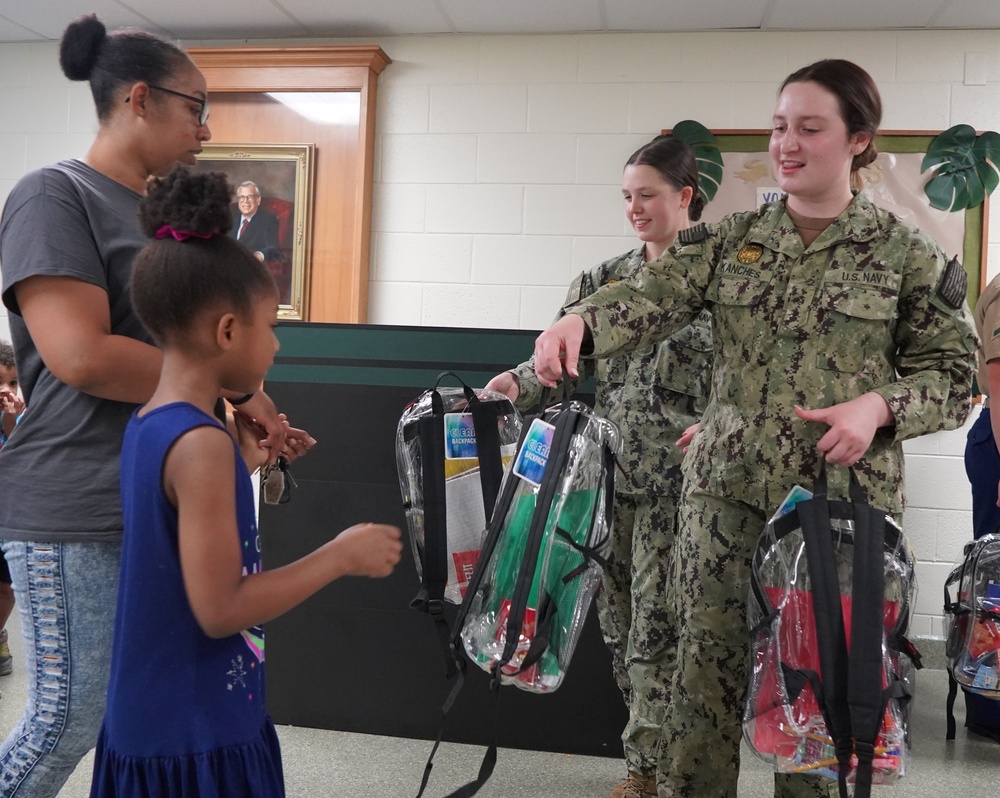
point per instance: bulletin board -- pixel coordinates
(893, 181)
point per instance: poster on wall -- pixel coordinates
(271, 211)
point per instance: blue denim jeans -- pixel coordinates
(65, 594)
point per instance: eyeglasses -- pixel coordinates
(202, 115)
(240, 198)
(276, 481)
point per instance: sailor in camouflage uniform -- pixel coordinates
(838, 344)
(653, 394)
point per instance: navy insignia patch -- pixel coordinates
(692, 235)
(954, 284)
(749, 253)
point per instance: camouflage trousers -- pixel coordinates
(699, 753)
(636, 617)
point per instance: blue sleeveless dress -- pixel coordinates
(185, 714)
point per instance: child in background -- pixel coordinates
(11, 407)
(186, 712)
(10, 401)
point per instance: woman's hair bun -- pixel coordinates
(697, 205)
(80, 46)
(195, 202)
(865, 157)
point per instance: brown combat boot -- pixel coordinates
(635, 785)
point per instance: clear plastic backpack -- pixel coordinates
(544, 551)
(451, 447)
(832, 673)
(972, 622)
(541, 561)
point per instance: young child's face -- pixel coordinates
(8, 379)
(9, 401)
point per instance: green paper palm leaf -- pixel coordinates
(706, 153)
(966, 168)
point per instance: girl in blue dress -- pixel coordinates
(186, 712)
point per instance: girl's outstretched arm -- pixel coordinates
(199, 477)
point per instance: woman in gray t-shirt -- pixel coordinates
(68, 235)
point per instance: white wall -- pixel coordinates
(498, 162)
(45, 117)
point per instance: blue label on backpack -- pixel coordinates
(459, 436)
(534, 454)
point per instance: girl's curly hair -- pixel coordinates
(173, 281)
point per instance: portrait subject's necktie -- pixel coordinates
(242, 229)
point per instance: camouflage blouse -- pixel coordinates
(873, 304)
(653, 393)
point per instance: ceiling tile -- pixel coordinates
(12, 32)
(51, 18)
(31, 20)
(850, 14)
(368, 18)
(972, 14)
(523, 16)
(664, 15)
(197, 19)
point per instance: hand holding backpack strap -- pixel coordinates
(865, 694)
(814, 515)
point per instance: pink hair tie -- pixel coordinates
(181, 235)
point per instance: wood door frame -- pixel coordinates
(333, 68)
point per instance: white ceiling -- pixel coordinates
(40, 20)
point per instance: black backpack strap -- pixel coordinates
(952, 608)
(865, 694)
(485, 416)
(565, 426)
(814, 515)
(950, 706)
(449, 702)
(542, 636)
(430, 429)
(494, 528)
(434, 576)
(490, 757)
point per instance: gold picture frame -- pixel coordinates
(283, 174)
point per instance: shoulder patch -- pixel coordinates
(692, 235)
(954, 284)
(576, 290)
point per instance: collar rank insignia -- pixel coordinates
(692, 235)
(954, 284)
(749, 253)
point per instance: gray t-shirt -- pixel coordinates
(59, 471)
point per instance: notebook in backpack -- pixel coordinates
(544, 551)
(451, 445)
(832, 588)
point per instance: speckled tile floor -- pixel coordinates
(329, 764)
